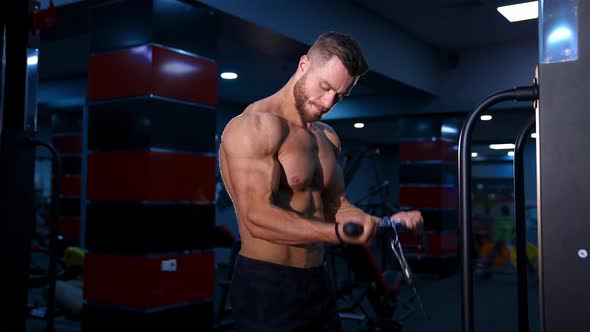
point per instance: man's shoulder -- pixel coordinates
(263, 129)
(329, 132)
(256, 120)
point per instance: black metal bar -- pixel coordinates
(17, 220)
(17, 201)
(2, 71)
(517, 94)
(519, 212)
(16, 43)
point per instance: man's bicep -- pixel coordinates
(253, 179)
(249, 145)
(253, 174)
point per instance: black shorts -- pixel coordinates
(272, 297)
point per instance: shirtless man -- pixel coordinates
(279, 165)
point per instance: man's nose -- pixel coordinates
(329, 99)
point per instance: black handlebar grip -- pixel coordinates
(353, 230)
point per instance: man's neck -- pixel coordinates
(286, 101)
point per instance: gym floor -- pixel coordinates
(495, 306)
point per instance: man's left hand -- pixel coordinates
(412, 220)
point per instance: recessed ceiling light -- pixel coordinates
(534, 135)
(505, 146)
(474, 154)
(520, 11)
(510, 153)
(359, 125)
(486, 117)
(229, 75)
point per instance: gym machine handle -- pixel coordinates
(353, 230)
(529, 93)
(389, 226)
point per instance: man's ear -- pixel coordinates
(303, 63)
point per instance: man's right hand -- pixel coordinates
(368, 230)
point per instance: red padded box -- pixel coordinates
(148, 282)
(151, 176)
(152, 69)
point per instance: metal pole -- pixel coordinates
(517, 94)
(17, 201)
(519, 212)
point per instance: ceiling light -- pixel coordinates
(229, 75)
(486, 117)
(511, 153)
(534, 135)
(521, 11)
(359, 125)
(506, 146)
(474, 154)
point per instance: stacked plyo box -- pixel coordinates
(150, 190)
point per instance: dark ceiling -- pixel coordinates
(453, 24)
(265, 59)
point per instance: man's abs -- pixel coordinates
(304, 257)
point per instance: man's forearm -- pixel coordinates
(280, 226)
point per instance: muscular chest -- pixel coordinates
(307, 160)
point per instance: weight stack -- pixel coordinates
(151, 165)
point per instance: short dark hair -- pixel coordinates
(345, 48)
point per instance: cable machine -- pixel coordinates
(559, 92)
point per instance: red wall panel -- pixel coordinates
(68, 144)
(69, 227)
(427, 150)
(71, 185)
(428, 196)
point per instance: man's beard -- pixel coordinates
(302, 100)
